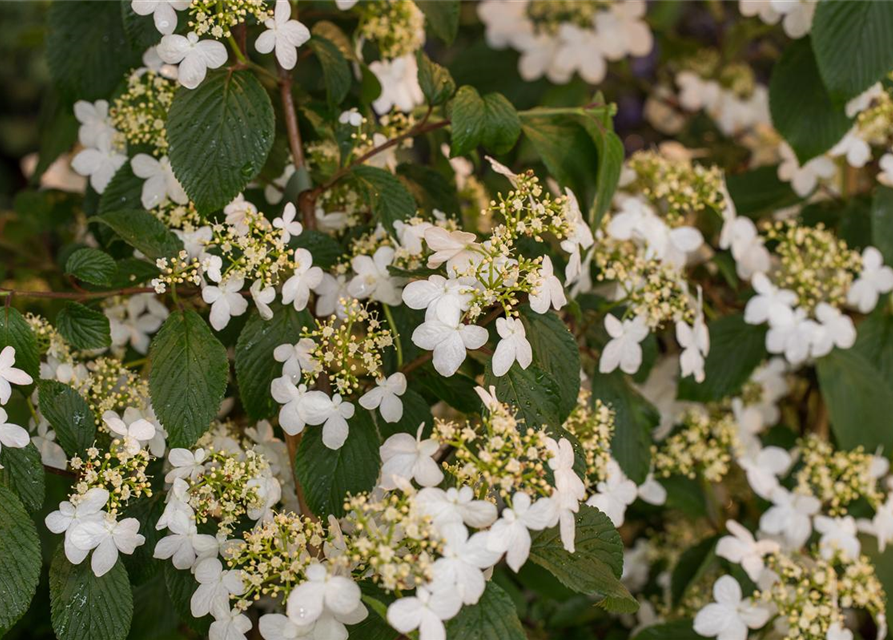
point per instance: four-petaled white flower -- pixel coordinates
(101, 162)
(160, 182)
(449, 339)
(614, 494)
(283, 34)
(385, 397)
(511, 533)
(215, 586)
(322, 592)
(291, 415)
(68, 517)
(569, 489)
(194, 56)
(225, 300)
(287, 223)
(296, 290)
(106, 537)
(580, 239)
(458, 249)
(372, 279)
(512, 347)
(352, 117)
(399, 84)
(790, 516)
(875, 279)
(549, 292)
(184, 544)
(186, 464)
(730, 617)
(262, 297)
(741, 548)
(839, 537)
(624, 349)
(695, 343)
(332, 413)
(425, 611)
(9, 374)
(229, 624)
(164, 12)
(462, 561)
(455, 507)
(406, 458)
(439, 296)
(833, 329)
(296, 358)
(881, 525)
(94, 119)
(791, 332)
(132, 428)
(770, 304)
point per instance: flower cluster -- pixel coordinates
(703, 447)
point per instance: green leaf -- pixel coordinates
(691, 567)
(91, 265)
(324, 248)
(431, 189)
(436, 82)
(555, 352)
(595, 566)
(534, 394)
(441, 17)
(329, 475)
(87, 50)
(180, 587)
(736, 349)
(457, 390)
(494, 617)
(220, 134)
(853, 43)
(123, 193)
(676, 630)
(15, 332)
(802, 110)
(133, 272)
(389, 199)
(85, 607)
(875, 341)
(490, 121)
(142, 231)
(69, 415)
(882, 222)
(23, 473)
(634, 419)
(188, 377)
(335, 70)
(83, 327)
(255, 366)
(58, 132)
(859, 400)
(760, 191)
(20, 560)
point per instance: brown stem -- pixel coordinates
(60, 472)
(294, 140)
(75, 295)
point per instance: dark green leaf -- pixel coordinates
(692, 566)
(123, 193)
(19, 559)
(490, 121)
(83, 327)
(15, 332)
(255, 366)
(436, 82)
(882, 222)
(188, 377)
(69, 415)
(802, 110)
(389, 199)
(457, 390)
(554, 351)
(85, 607)
(142, 231)
(335, 70)
(23, 473)
(494, 617)
(760, 191)
(180, 587)
(532, 392)
(220, 134)
(441, 17)
(91, 265)
(329, 475)
(853, 43)
(431, 189)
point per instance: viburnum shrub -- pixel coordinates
(481, 321)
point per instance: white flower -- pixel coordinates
(283, 34)
(458, 249)
(322, 592)
(262, 297)
(833, 329)
(352, 117)
(194, 57)
(798, 14)
(695, 343)
(885, 176)
(579, 240)
(133, 430)
(512, 346)
(790, 516)
(549, 292)
(332, 413)
(803, 179)
(237, 213)
(791, 333)
(386, 397)
(614, 494)
(770, 304)
(740, 235)
(287, 223)
(455, 506)
(881, 525)
(439, 296)
(186, 464)
(108, 537)
(730, 617)
(875, 278)
(569, 489)
(291, 415)
(622, 30)
(215, 586)
(330, 292)
(399, 84)
(94, 119)
(296, 358)
(576, 49)
(67, 519)
(510, 534)
(409, 458)
(449, 339)
(229, 624)
(101, 162)
(132, 323)
(164, 12)
(372, 278)
(624, 349)
(225, 300)
(839, 536)
(9, 374)
(296, 290)
(856, 150)
(194, 242)
(275, 626)
(51, 454)
(741, 548)
(836, 631)
(425, 611)
(461, 563)
(652, 491)
(763, 467)
(185, 545)
(160, 182)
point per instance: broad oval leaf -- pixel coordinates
(83, 327)
(69, 415)
(494, 617)
(91, 265)
(556, 352)
(142, 231)
(19, 559)
(23, 473)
